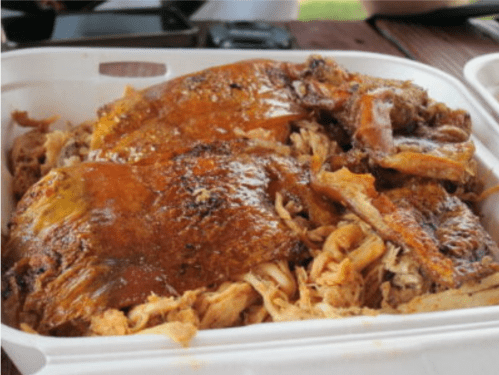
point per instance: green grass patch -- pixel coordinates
(346, 10)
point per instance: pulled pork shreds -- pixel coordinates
(39, 150)
(259, 191)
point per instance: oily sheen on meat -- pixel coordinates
(256, 191)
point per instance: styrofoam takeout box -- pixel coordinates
(67, 82)
(482, 73)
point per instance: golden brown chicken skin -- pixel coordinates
(101, 235)
(199, 108)
(452, 226)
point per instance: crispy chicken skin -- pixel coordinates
(101, 235)
(199, 108)
(452, 226)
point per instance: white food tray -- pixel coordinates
(482, 73)
(66, 81)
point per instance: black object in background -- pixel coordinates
(447, 16)
(37, 20)
(255, 35)
(144, 27)
(186, 7)
(34, 7)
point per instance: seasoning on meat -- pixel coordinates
(252, 192)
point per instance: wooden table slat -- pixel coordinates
(331, 35)
(446, 47)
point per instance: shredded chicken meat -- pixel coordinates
(252, 192)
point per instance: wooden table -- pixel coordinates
(445, 47)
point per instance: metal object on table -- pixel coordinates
(254, 35)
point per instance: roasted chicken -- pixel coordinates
(201, 180)
(102, 235)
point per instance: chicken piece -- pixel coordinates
(37, 151)
(477, 293)
(198, 108)
(407, 106)
(425, 158)
(266, 97)
(391, 104)
(103, 235)
(26, 158)
(76, 148)
(43, 125)
(373, 126)
(320, 84)
(456, 250)
(397, 126)
(27, 155)
(442, 124)
(220, 103)
(453, 226)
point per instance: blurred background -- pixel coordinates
(45, 19)
(304, 10)
(34, 21)
(338, 10)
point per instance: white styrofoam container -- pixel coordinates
(66, 81)
(482, 73)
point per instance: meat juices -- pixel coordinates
(174, 197)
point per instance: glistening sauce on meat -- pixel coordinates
(168, 228)
(199, 108)
(253, 192)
